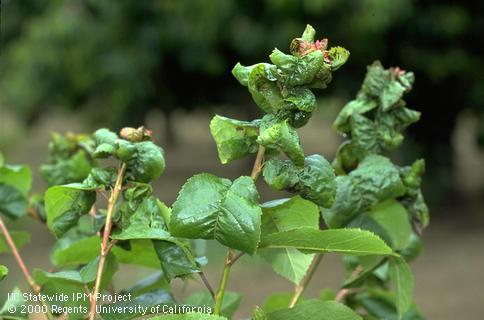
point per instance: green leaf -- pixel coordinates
(140, 253)
(381, 305)
(287, 214)
(105, 143)
(309, 33)
(347, 203)
(283, 215)
(364, 136)
(302, 99)
(20, 238)
(375, 180)
(65, 204)
(152, 282)
(15, 183)
(189, 316)
(327, 294)
(175, 258)
(413, 199)
(393, 218)
(101, 178)
(131, 309)
(380, 130)
(305, 69)
(258, 314)
(68, 252)
(278, 301)
(230, 303)
(402, 279)
(142, 221)
(126, 150)
(368, 265)
(379, 180)
(354, 107)
(281, 135)
(315, 181)
(235, 139)
(281, 174)
(322, 78)
(412, 248)
(391, 94)
(338, 57)
(19, 177)
(375, 80)
(41, 277)
(297, 71)
(88, 273)
(17, 302)
(3, 272)
(149, 162)
(74, 168)
(284, 62)
(316, 310)
(165, 212)
(104, 150)
(349, 241)
(391, 125)
(209, 207)
(264, 89)
(13, 203)
(298, 118)
(105, 136)
(241, 73)
(66, 282)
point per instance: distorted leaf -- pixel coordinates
(315, 181)
(149, 162)
(13, 203)
(64, 205)
(264, 89)
(281, 135)
(176, 259)
(235, 139)
(209, 207)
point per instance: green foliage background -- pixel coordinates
(128, 57)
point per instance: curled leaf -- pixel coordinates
(209, 207)
(235, 139)
(315, 181)
(277, 134)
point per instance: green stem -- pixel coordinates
(223, 283)
(231, 257)
(299, 289)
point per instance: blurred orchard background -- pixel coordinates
(76, 65)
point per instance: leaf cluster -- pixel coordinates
(362, 205)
